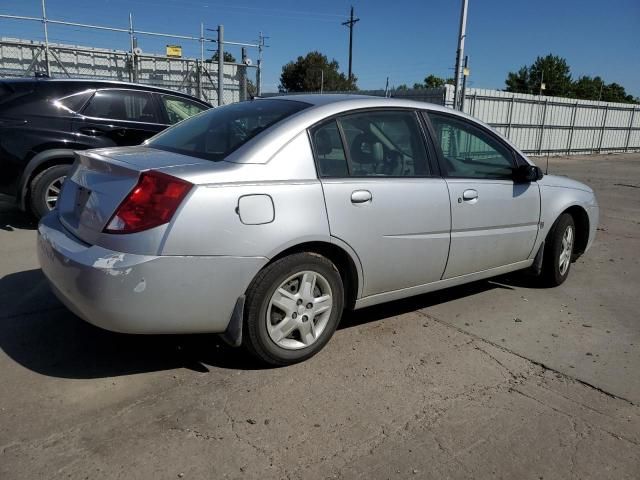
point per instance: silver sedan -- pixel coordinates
(264, 220)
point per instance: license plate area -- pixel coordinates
(81, 198)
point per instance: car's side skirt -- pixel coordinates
(440, 284)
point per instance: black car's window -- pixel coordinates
(5, 91)
(327, 145)
(10, 91)
(215, 133)
(127, 105)
(470, 152)
(385, 143)
(179, 109)
(74, 102)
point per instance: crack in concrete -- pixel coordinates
(572, 418)
(535, 362)
(504, 367)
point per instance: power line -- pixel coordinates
(275, 12)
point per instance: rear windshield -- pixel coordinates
(10, 91)
(216, 133)
(5, 90)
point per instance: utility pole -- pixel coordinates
(465, 74)
(220, 65)
(350, 23)
(132, 40)
(46, 38)
(386, 88)
(460, 53)
(261, 47)
(243, 76)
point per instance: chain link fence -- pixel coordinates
(199, 77)
(24, 58)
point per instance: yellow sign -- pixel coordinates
(174, 51)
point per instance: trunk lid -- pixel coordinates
(98, 183)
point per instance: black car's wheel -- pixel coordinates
(559, 251)
(45, 189)
(292, 308)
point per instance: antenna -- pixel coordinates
(546, 172)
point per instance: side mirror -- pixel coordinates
(527, 173)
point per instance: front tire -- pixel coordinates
(292, 308)
(45, 189)
(559, 251)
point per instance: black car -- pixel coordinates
(42, 122)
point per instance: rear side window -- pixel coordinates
(219, 131)
(11, 91)
(179, 109)
(5, 91)
(74, 102)
(375, 143)
(385, 143)
(129, 105)
(330, 156)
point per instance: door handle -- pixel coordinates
(361, 196)
(92, 131)
(469, 195)
(96, 131)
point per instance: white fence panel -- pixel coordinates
(539, 125)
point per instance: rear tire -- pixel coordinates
(292, 309)
(45, 189)
(558, 251)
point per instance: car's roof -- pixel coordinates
(100, 82)
(359, 101)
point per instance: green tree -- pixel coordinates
(519, 82)
(614, 92)
(228, 58)
(432, 81)
(307, 73)
(587, 88)
(551, 70)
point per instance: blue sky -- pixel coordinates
(402, 39)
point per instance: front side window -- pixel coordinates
(469, 152)
(179, 109)
(385, 143)
(219, 131)
(129, 105)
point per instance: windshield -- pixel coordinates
(216, 133)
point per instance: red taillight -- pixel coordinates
(152, 202)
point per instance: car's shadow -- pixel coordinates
(11, 218)
(40, 334)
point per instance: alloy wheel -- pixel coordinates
(567, 250)
(299, 310)
(53, 192)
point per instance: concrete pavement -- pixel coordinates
(495, 379)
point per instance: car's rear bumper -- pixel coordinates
(139, 293)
